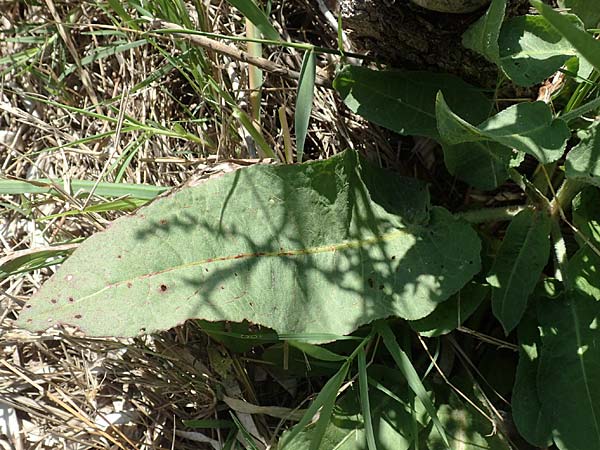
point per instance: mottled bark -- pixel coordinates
(405, 35)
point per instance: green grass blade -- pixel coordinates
(255, 15)
(304, 101)
(584, 42)
(317, 352)
(363, 385)
(411, 375)
(46, 186)
(122, 204)
(325, 399)
(34, 259)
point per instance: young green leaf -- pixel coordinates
(482, 36)
(411, 375)
(521, 258)
(404, 101)
(527, 412)
(584, 42)
(531, 49)
(484, 165)
(304, 101)
(257, 16)
(298, 249)
(583, 161)
(569, 373)
(527, 127)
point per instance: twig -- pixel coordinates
(211, 44)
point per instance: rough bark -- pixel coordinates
(404, 35)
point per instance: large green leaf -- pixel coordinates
(584, 42)
(527, 412)
(452, 313)
(588, 11)
(482, 36)
(531, 49)
(569, 373)
(527, 127)
(404, 101)
(522, 256)
(320, 248)
(583, 161)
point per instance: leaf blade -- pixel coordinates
(521, 258)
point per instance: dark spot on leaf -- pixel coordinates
(209, 260)
(222, 287)
(381, 287)
(235, 274)
(471, 262)
(442, 267)
(393, 257)
(28, 306)
(206, 269)
(162, 221)
(118, 256)
(238, 256)
(29, 320)
(251, 304)
(70, 299)
(371, 282)
(261, 254)
(53, 301)
(142, 330)
(77, 316)
(129, 284)
(163, 288)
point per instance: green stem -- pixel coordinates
(492, 214)
(567, 191)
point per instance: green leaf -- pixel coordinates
(531, 49)
(404, 101)
(256, 15)
(527, 127)
(588, 11)
(586, 214)
(320, 248)
(584, 42)
(412, 377)
(484, 165)
(392, 425)
(527, 412)
(584, 266)
(569, 373)
(304, 101)
(466, 429)
(521, 258)
(583, 161)
(453, 312)
(482, 36)
(365, 404)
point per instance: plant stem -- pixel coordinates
(492, 214)
(567, 191)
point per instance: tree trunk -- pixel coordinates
(405, 35)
